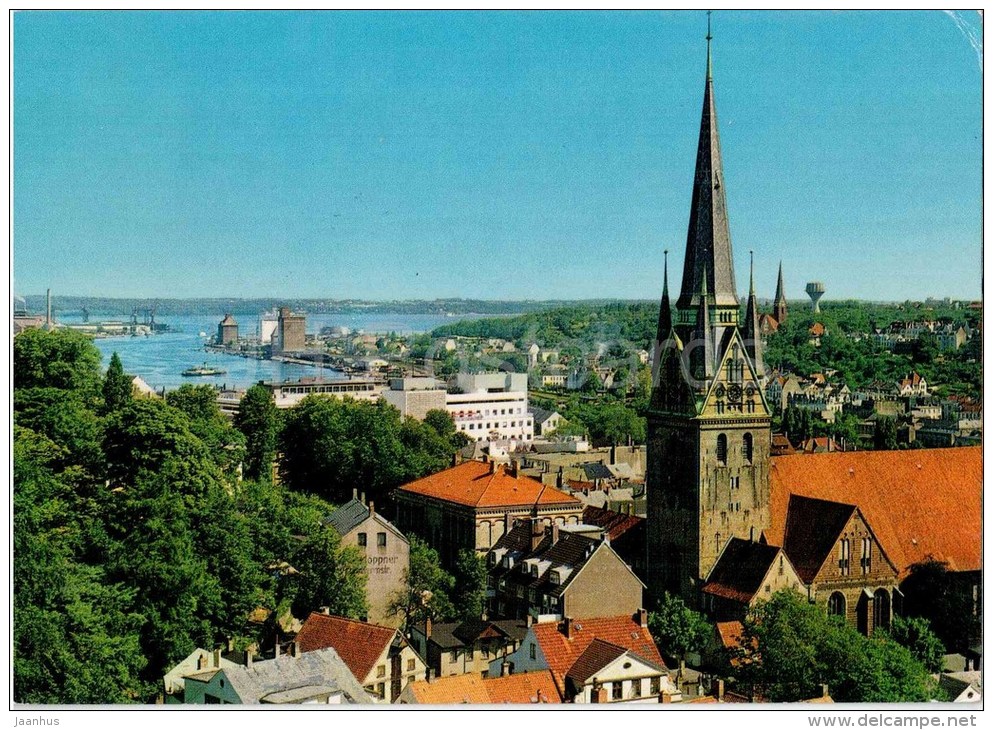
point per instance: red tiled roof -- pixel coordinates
(921, 504)
(730, 633)
(472, 483)
(561, 653)
(816, 329)
(527, 688)
(614, 523)
(813, 526)
(597, 656)
(359, 644)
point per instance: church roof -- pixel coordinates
(921, 504)
(708, 240)
(740, 570)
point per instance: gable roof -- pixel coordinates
(561, 653)
(740, 569)
(595, 658)
(352, 514)
(812, 529)
(454, 635)
(472, 483)
(613, 523)
(319, 671)
(526, 688)
(358, 643)
(920, 504)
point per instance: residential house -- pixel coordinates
(462, 648)
(545, 421)
(318, 677)
(539, 570)
(470, 506)
(385, 549)
(199, 662)
(379, 657)
(533, 688)
(962, 686)
(913, 384)
(595, 660)
(627, 534)
(745, 573)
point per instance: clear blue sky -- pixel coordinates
(387, 155)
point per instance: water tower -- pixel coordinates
(815, 290)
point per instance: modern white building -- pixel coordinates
(492, 407)
(416, 396)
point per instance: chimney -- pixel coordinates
(642, 618)
(294, 649)
(429, 674)
(492, 467)
(567, 627)
(539, 699)
(613, 454)
(231, 644)
(537, 533)
(529, 620)
(505, 668)
(555, 532)
(514, 468)
(363, 497)
(427, 627)
(201, 660)
(720, 690)
(217, 658)
(558, 479)
(508, 523)
(355, 493)
(249, 656)
(664, 698)
(824, 690)
(372, 508)
(326, 610)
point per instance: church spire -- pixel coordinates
(753, 339)
(708, 240)
(703, 346)
(779, 303)
(665, 310)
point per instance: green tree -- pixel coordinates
(799, 648)
(678, 629)
(934, 593)
(469, 595)
(62, 359)
(884, 434)
(426, 588)
(258, 420)
(331, 575)
(915, 633)
(118, 388)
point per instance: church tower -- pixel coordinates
(709, 427)
(779, 303)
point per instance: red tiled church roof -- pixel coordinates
(921, 503)
(526, 688)
(359, 644)
(472, 483)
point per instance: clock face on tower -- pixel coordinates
(734, 393)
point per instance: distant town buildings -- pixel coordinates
(290, 335)
(227, 331)
(492, 407)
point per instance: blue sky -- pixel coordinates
(512, 155)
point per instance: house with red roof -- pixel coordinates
(472, 505)
(381, 659)
(595, 660)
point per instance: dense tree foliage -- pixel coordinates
(946, 600)
(798, 648)
(915, 633)
(332, 446)
(118, 388)
(134, 539)
(678, 629)
(469, 594)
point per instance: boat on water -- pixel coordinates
(201, 370)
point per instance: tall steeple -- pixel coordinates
(708, 240)
(665, 309)
(753, 339)
(702, 353)
(779, 303)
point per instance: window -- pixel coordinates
(381, 690)
(881, 609)
(470, 653)
(747, 448)
(722, 449)
(381, 539)
(836, 605)
(866, 561)
(636, 688)
(381, 670)
(844, 559)
(362, 539)
(782, 560)
(533, 652)
(411, 665)
(453, 657)
(656, 685)
(617, 691)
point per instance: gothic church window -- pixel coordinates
(748, 447)
(722, 449)
(836, 604)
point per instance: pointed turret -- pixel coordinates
(779, 303)
(702, 353)
(708, 240)
(753, 339)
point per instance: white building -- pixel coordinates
(492, 407)
(416, 396)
